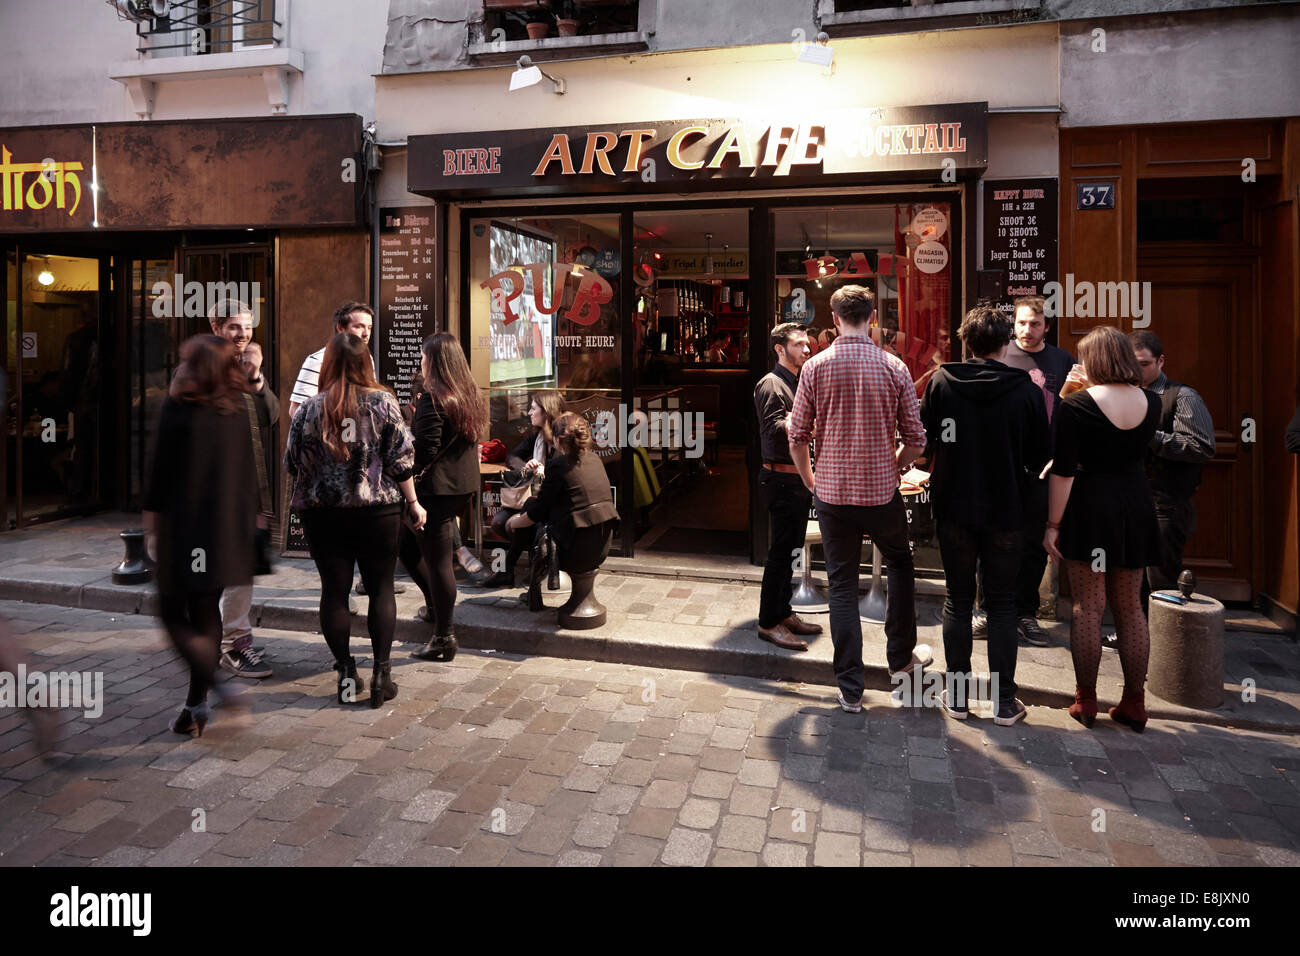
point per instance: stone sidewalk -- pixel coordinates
(507, 760)
(656, 619)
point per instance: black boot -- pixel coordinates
(382, 687)
(350, 683)
(502, 579)
(439, 648)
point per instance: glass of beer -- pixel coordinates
(1077, 379)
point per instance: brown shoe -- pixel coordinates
(798, 625)
(781, 637)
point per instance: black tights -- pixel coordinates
(1090, 590)
(342, 539)
(438, 548)
(193, 623)
(411, 554)
(519, 541)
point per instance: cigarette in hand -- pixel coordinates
(1046, 468)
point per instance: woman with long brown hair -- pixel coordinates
(197, 505)
(450, 417)
(528, 457)
(1101, 520)
(350, 455)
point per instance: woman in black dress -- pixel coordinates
(529, 456)
(576, 503)
(198, 506)
(1101, 519)
(450, 416)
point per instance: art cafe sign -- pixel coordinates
(643, 155)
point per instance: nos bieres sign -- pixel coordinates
(710, 151)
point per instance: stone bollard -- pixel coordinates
(1187, 651)
(135, 567)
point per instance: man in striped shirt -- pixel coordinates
(861, 400)
(355, 317)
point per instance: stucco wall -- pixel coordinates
(1212, 65)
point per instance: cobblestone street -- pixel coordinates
(498, 759)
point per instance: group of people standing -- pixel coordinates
(370, 481)
(1122, 445)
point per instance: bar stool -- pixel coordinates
(809, 597)
(872, 606)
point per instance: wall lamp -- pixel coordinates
(526, 74)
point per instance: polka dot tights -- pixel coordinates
(1092, 590)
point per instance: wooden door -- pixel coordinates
(1202, 310)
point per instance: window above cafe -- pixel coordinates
(207, 39)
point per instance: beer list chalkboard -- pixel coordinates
(1020, 217)
(406, 293)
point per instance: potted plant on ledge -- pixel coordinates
(538, 25)
(566, 19)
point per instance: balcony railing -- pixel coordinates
(198, 27)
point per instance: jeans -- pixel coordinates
(999, 555)
(236, 630)
(1033, 556)
(842, 529)
(787, 501)
(1177, 518)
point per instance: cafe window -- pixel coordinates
(544, 314)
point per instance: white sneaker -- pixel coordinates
(849, 708)
(956, 713)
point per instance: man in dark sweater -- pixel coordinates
(783, 490)
(987, 430)
(1047, 366)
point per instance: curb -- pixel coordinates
(497, 628)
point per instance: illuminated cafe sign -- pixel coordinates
(646, 155)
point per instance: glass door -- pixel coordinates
(53, 385)
(904, 253)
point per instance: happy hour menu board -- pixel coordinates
(1020, 217)
(406, 293)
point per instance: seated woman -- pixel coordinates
(576, 503)
(529, 456)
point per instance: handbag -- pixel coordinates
(517, 488)
(492, 452)
(261, 536)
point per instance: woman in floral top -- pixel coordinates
(350, 455)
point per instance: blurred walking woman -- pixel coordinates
(1101, 519)
(529, 456)
(197, 504)
(450, 416)
(350, 456)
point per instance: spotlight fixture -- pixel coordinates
(526, 74)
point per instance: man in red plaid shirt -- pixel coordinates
(862, 401)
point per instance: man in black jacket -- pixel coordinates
(233, 320)
(987, 430)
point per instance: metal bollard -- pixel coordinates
(135, 567)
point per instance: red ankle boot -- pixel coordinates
(1132, 710)
(1084, 708)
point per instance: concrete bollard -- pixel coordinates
(1187, 651)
